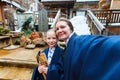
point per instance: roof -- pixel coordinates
(58, 3)
(86, 0)
(15, 4)
(55, 0)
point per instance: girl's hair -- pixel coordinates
(50, 30)
(68, 23)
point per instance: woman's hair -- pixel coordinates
(68, 23)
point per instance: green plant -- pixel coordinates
(26, 29)
(4, 31)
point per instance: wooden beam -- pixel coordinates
(2, 18)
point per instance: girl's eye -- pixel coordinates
(54, 38)
(48, 38)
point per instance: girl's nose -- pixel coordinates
(51, 39)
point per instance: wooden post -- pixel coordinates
(2, 18)
(42, 19)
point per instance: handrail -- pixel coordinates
(56, 18)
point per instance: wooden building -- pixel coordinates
(16, 5)
(64, 5)
(91, 4)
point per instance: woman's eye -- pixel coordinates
(56, 29)
(62, 27)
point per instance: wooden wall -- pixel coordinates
(115, 4)
(115, 29)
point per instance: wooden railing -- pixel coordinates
(107, 16)
(96, 27)
(56, 18)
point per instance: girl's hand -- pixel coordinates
(42, 69)
(45, 69)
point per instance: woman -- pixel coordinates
(88, 57)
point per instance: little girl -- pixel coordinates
(53, 52)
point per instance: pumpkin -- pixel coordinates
(104, 4)
(35, 35)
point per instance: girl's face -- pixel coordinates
(51, 39)
(63, 31)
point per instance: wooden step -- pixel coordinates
(17, 63)
(15, 73)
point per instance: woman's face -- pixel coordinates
(51, 39)
(63, 31)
